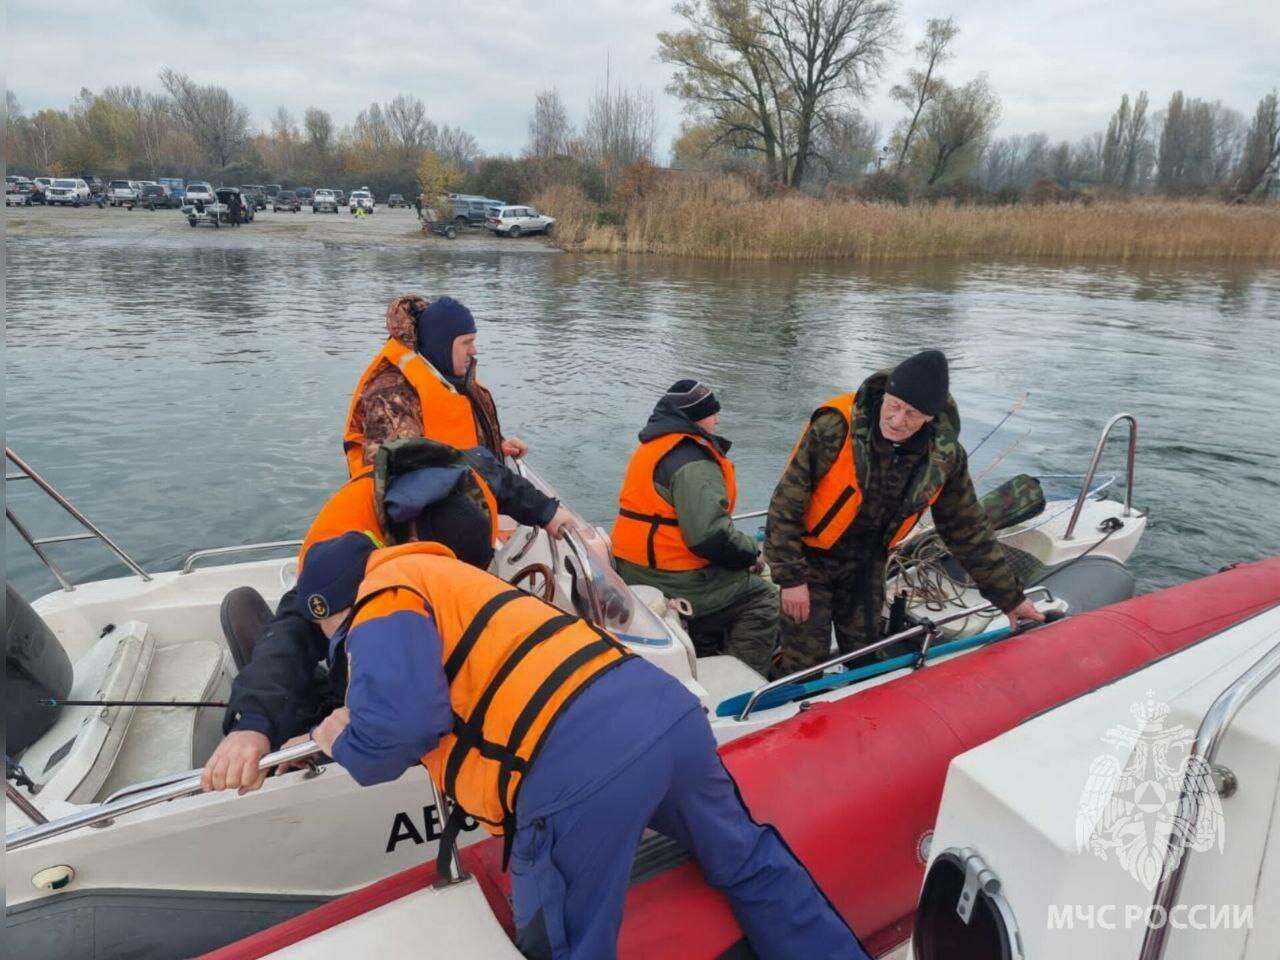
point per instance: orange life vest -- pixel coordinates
(446, 414)
(355, 508)
(834, 503)
(513, 663)
(647, 530)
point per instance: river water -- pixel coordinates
(192, 394)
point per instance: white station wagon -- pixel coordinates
(514, 221)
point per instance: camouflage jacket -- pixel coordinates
(389, 408)
(895, 482)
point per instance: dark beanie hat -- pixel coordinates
(691, 398)
(332, 573)
(442, 322)
(921, 381)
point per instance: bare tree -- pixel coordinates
(1126, 148)
(822, 49)
(209, 114)
(319, 129)
(956, 127)
(455, 147)
(406, 119)
(924, 86)
(845, 145)
(1261, 147)
(729, 81)
(549, 129)
(620, 129)
(371, 128)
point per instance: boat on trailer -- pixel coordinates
(89, 838)
(854, 786)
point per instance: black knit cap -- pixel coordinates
(692, 398)
(921, 381)
(331, 575)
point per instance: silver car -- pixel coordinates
(514, 221)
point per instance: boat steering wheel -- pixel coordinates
(531, 572)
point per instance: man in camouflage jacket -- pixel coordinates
(904, 457)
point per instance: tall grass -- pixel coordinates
(725, 219)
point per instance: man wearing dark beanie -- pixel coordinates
(675, 532)
(867, 467)
(422, 383)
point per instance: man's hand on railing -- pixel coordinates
(558, 524)
(1026, 610)
(234, 764)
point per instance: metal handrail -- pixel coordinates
(1093, 468)
(102, 812)
(930, 627)
(189, 564)
(1213, 728)
(37, 542)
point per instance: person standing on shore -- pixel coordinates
(675, 532)
(423, 383)
(867, 467)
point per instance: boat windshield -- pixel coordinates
(612, 603)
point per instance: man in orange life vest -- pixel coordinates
(422, 383)
(675, 531)
(417, 490)
(867, 467)
(547, 730)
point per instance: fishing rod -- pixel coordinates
(1003, 420)
(53, 702)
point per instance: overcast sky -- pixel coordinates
(1057, 66)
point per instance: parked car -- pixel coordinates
(361, 199)
(324, 201)
(97, 187)
(121, 193)
(255, 194)
(341, 197)
(271, 189)
(396, 200)
(304, 195)
(17, 191)
(514, 221)
(157, 195)
(472, 211)
(40, 189)
(198, 191)
(176, 186)
(285, 200)
(232, 199)
(69, 192)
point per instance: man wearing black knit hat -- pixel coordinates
(675, 532)
(866, 469)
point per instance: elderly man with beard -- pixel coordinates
(867, 467)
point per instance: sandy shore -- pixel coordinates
(386, 227)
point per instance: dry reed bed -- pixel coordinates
(724, 220)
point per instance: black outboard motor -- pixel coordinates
(36, 668)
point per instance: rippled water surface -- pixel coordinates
(193, 395)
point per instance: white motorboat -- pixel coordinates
(221, 866)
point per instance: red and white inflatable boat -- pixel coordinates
(853, 785)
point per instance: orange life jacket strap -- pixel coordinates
(477, 625)
(470, 732)
(655, 521)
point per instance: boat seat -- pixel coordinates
(244, 616)
(164, 740)
(725, 676)
(73, 758)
